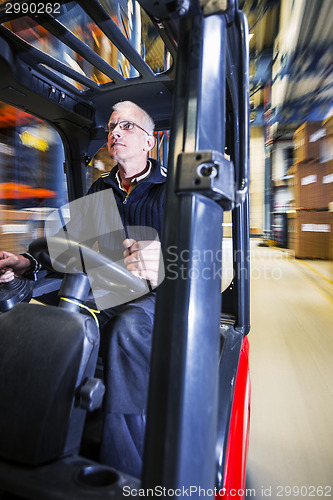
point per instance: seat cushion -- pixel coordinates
(41, 353)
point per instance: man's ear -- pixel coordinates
(150, 143)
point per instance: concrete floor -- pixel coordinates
(291, 358)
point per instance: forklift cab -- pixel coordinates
(199, 394)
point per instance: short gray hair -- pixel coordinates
(149, 124)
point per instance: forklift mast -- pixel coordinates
(210, 117)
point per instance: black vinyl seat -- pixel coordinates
(47, 357)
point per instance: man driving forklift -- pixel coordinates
(126, 330)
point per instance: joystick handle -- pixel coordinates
(14, 291)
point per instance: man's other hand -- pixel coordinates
(12, 265)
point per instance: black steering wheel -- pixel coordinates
(75, 257)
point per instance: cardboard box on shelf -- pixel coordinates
(307, 185)
(309, 234)
(328, 183)
(307, 141)
(328, 125)
(326, 143)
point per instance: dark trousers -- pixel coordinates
(126, 337)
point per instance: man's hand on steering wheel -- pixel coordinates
(142, 258)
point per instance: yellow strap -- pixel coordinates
(93, 312)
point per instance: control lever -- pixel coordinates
(15, 291)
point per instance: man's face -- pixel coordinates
(124, 145)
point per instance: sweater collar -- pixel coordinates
(156, 174)
(135, 180)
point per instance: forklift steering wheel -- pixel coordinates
(72, 254)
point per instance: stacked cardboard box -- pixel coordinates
(327, 157)
(309, 186)
(326, 143)
(328, 182)
(309, 234)
(307, 142)
(309, 225)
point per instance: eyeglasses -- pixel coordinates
(123, 125)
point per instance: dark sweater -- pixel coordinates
(144, 205)
(107, 216)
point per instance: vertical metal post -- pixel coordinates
(134, 22)
(241, 249)
(165, 147)
(182, 413)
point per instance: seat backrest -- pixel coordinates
(46, 353)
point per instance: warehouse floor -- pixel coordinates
(291, 359)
